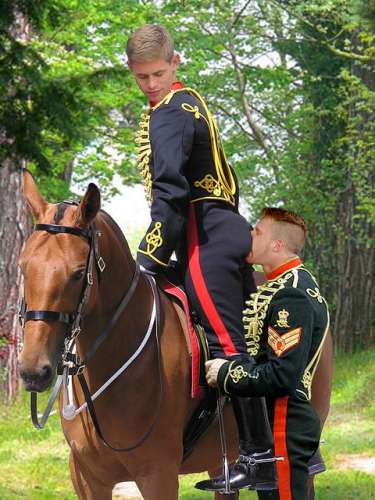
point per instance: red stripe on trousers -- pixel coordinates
(279, 431)
(201, 289)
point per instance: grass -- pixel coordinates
(34, 464)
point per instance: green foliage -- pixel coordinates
(66, 94)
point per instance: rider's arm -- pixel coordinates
(171, 136)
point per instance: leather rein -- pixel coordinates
(70, 363)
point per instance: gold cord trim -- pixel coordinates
(308, 374)
(225, 183)
(154, 241)
(256, 312)
(210, 184)
(142, 139)
(153, 258)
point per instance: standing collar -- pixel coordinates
(177, 85)
(287, 266)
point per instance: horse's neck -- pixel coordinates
(111, 287)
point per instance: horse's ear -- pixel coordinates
(34, 199)
(89, 206)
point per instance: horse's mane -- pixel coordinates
(117, 230)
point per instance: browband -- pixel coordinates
(55, 228)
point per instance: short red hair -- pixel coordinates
(291, 227)
(282, 215)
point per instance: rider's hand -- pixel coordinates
(212, 369)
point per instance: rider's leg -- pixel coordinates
(218, 241)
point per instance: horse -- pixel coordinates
(77, 264)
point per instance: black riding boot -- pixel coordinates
(255, 468)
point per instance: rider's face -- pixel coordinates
(263, 242)
(155, 78)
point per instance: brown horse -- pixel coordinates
(150, 399)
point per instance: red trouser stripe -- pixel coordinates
(201, 289)
(279, 431)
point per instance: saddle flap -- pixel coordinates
(194, 335)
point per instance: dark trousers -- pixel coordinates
(296, 430)
(216, 278)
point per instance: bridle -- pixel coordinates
(70, 319)
(70, 363)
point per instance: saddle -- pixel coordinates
(194, 334)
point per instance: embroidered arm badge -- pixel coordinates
(284, 342)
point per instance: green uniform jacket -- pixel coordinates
(286, 323)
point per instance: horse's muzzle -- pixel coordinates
(37, 381)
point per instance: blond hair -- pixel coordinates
(290, 227)
(148, 43)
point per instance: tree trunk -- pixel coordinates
(354, 325)
(15, 226)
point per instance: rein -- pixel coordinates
(89, 399)
(71, 364)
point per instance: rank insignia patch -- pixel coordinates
(282, 322)
(284, 342)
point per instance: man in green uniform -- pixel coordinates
(286, 322)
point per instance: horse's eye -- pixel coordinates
(77, 275)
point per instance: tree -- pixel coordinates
(337, 53)
(62, 92)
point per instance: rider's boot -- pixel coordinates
(255, 467)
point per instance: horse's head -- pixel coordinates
(54, 267)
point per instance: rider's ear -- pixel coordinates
(34, 199)
(89, 206)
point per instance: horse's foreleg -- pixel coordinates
(85, 484)
(159, 484)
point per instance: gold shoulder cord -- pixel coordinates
(310, 369)
(224, 173)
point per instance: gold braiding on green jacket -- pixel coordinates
(143, 148)
(308, 374)
(256, 312)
